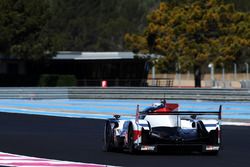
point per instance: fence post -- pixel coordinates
(153, 75)
(211, 66)
(247, 70)
(223, 72)
(235, 71)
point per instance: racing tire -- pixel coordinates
(213, 137)
(131, 146)
(202, 131)
(108, 137)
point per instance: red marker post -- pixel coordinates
(104, 84)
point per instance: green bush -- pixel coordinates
(57, 80)
(66, 80)
(48, 80)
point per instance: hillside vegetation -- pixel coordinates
(34, 29)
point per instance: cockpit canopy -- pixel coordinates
(161, 107)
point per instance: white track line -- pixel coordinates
(236, 123)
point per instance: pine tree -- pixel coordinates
(194, 35)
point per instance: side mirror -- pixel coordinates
(117, 116)
(193, 116)
(193, 125)
(116, 125)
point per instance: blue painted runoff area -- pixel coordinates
(103, 108)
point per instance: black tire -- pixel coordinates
(131, 147)
(213, 137)
(202, 131)
(108, 138)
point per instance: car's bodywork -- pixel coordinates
(162, 126)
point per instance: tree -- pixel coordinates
(194, 35)
(23, 28)
(95, 25)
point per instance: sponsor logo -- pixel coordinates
(212, 148)
(147, 148)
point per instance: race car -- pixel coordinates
(163, 127)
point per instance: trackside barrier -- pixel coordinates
(218, 84)
(124, 93)
(245, 84)
(33, 93)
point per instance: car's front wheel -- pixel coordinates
(108, 137)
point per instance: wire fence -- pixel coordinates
(157, 82)
(228, 80)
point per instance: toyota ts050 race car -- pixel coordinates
(162, 127)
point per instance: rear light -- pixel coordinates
(137, 135)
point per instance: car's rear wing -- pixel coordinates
(193, 113)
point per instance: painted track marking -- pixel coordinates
(12, 160)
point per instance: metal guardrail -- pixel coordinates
(33, 93)
(124, 93)
(159, 93)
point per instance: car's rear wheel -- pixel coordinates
(108, 137)
(131, 148)
(202, 131)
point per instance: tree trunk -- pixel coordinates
(197, 76)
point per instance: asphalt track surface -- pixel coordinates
(80, 140)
